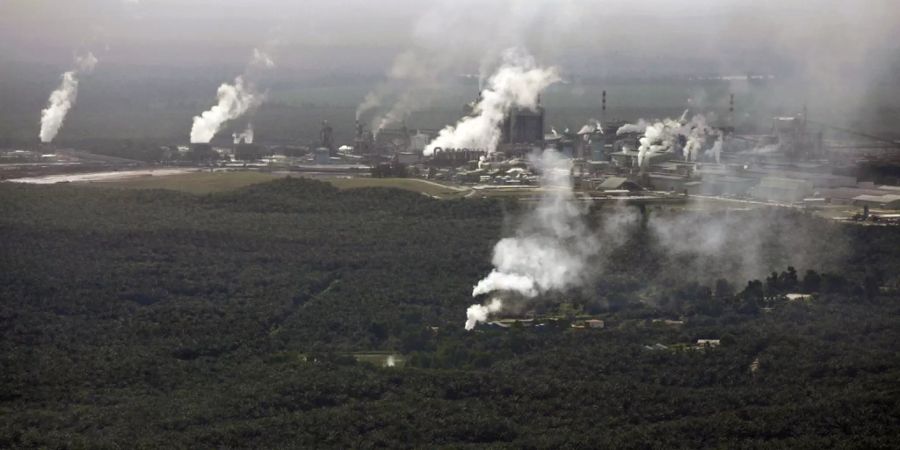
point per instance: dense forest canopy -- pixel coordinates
(151, 318)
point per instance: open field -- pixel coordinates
(98, 176)
(410, 184)
(196, 182)
(220, 181)
(207, 182)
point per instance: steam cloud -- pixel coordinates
(550, 249)
(516, 84)
(411, 76)
(420, 74)
(245, 136)
(64, 97)
(663, 136)
(235, 100)
(592, 126)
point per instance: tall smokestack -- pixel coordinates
(64, 97)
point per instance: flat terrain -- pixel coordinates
(410, 184)
(195, 183)
(209, 182)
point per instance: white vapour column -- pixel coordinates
(516, 84)
(717, 149)
(235, 100)
(550, 249)
(661, 136)
(245, 137)
(696, 132)
(64, 97)
(480, 313)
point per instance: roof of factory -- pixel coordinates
(818, 179)
(665, 176)
(612, 183)
(883, 199)
(727, 179)
(850, 193)
(782, 183)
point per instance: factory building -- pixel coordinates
(794, 138)
(249, 152)
(616, 184)
(672, 183)
(598, 142)
(443, 157)
(522, 131)
(887, 201)
(817, 179)
(523, 126)
(322, 155)
(392, 140)
(782, 189)
(727, 185)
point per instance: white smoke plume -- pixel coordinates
(516, 84)
(480, 313)
(550, 249)
(64, 97)
(235, 100)
(638, 127)
(716, 151)
(372, 101)
(592, 126)
(696, 132)
(440, 51)
(412, 79)
(411, 76)
(663, 136)
(659, 137)
(261, 59)
(245, 136)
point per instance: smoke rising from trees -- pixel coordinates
(550, 248)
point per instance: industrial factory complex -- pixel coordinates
(799, 163)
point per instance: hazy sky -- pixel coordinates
(650, 35)
(840, 56)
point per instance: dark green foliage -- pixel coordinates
(393, 170)
(147, 319)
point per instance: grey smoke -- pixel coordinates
(549, 250)
(556, 249)
(64, 97)
(741, 245)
